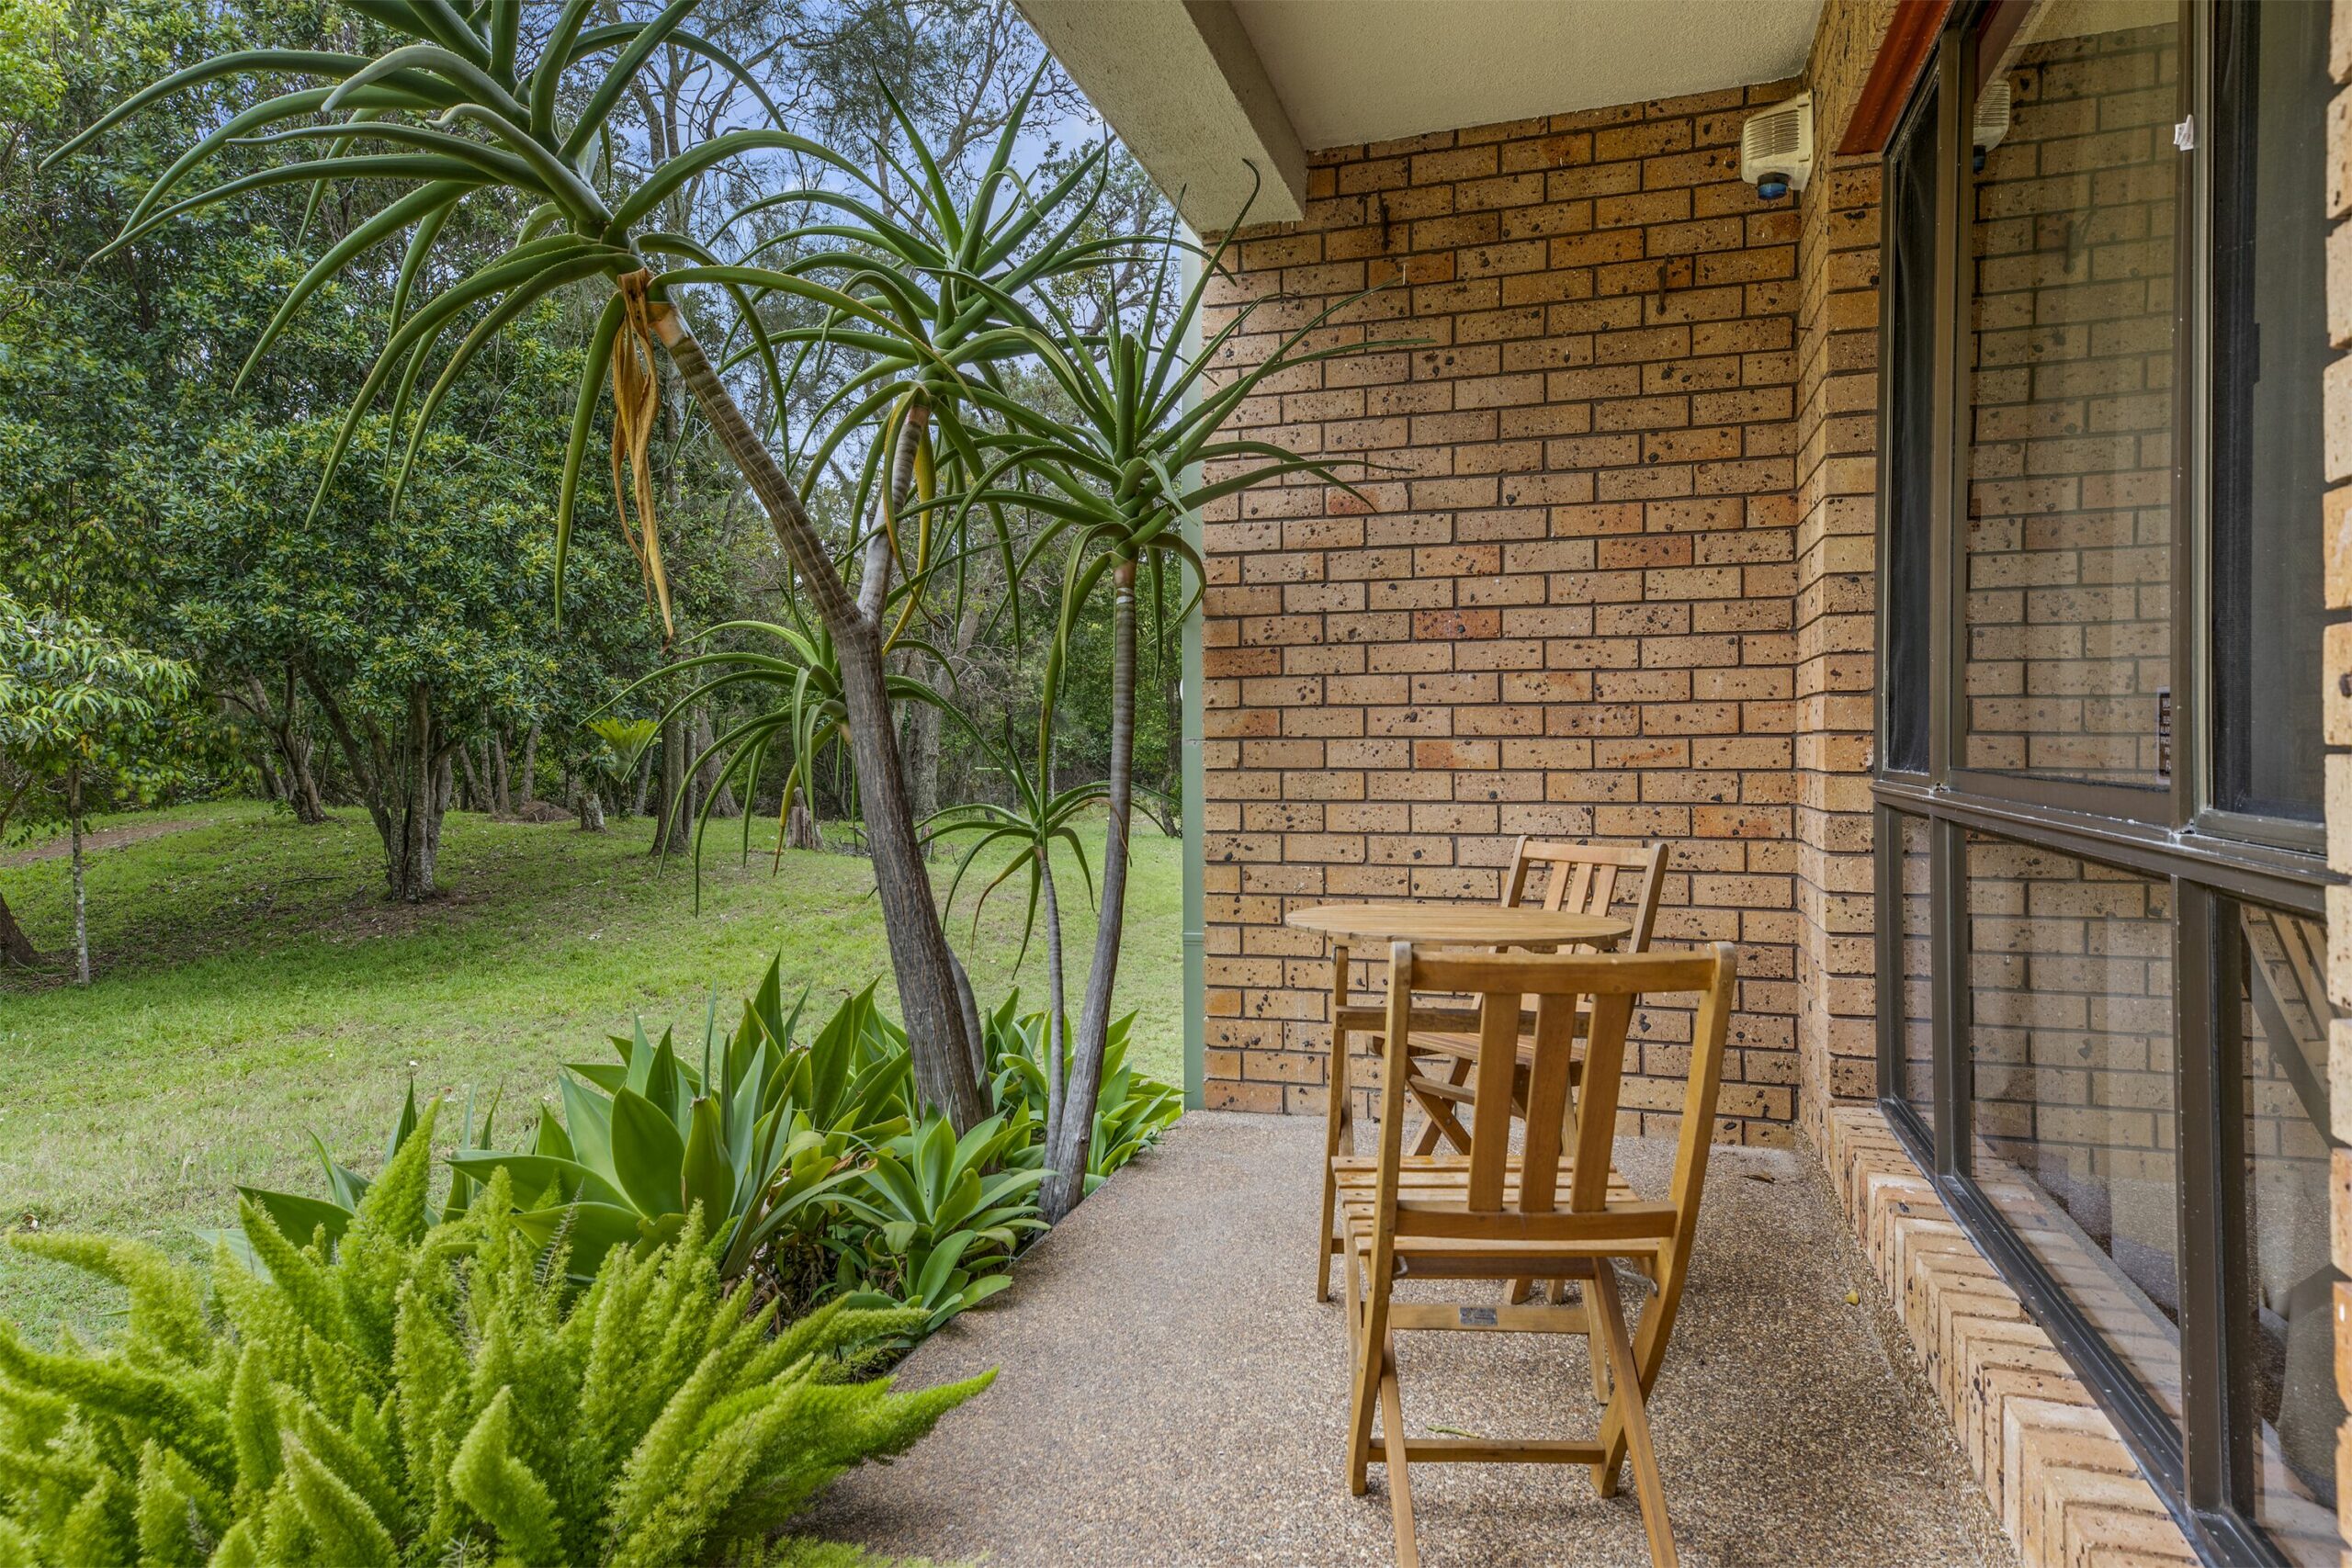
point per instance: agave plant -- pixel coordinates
(764, 1135)
(944, 1216)
(455, 115)
(1130, 1113)
(308, 1219)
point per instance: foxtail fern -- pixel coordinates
(426, 1393)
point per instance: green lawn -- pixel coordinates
(253, 986)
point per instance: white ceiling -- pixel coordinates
(1205, 91)
(1350, 71)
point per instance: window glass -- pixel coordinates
(2283, 1025)
(1910, 209)
(2270, 349)
(2071, 1052)
(1916, 1070)
(2066, 613)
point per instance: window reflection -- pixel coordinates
(2067, 612)
(2284, 1019)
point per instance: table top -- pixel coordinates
(1465, 925)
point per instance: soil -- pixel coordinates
(105, 838)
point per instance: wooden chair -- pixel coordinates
(1559, 1211)
(1583, 879)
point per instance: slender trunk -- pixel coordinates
(294, 783)
(920, 959)
(922, 746)
(417, 786)
(366, 774)
(644, 781)
(673, 808)
(81, 895)
(706, 780)
(1066, 1159)
(530, 767)
(500, 782)
(270, 784)
(1057, 1101)
(477, 797)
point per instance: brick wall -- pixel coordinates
(1567, 602)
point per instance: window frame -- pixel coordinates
(2211, 858)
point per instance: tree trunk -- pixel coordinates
(81, 895)
(416, 786)
(477, 796)
(920, 960)
(500, 782)
(1056, 1015)
(1066, 1159)
(922, 746)
(271, 785)
(530, 767)
(590, 806)
(673, 808)
(706, 781)
(644, 780)
(16, 947)
(283, 719)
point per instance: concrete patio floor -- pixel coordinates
(1171, 1394)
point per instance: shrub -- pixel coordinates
(429, 1393)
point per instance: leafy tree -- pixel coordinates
(71, 701)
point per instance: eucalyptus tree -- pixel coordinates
(453, 114)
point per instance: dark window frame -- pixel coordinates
(2209, 858)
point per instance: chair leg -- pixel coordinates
(1336, 1121)
(1392, 1443)
(1371, 1341)
(1607, 1313)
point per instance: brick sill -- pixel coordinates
(2057, 1472)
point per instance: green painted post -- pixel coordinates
(1195, 781)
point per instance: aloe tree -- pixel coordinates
(453, 116)
(1040, 820)
(1139, 448)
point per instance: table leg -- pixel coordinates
(1336, 1122)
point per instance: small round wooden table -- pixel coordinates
(1452, 925)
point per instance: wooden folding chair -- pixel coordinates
(1581, 879)
(1558, 1211)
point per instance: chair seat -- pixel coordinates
(1432, 1188)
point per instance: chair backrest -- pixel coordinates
(1585, 879)
(1613, 983)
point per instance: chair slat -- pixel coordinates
(1497, 1067)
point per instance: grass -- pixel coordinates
(253, 986)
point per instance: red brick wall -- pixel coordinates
(1569, 601)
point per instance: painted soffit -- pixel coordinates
(1203, 89)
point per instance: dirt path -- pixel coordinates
(105, 838)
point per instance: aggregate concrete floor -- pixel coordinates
(1171, 1394)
